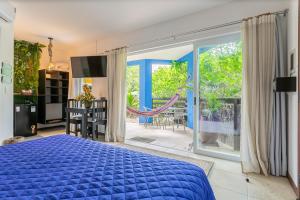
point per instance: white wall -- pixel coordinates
(6, 91)
(214, 16)
(100, 87)
(60, 57)
(293, 97)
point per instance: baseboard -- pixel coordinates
(295, 188)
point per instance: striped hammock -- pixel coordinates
(156, 111)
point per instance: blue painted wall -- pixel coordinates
(190, 95)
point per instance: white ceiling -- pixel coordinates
(164, 54)
(73, 22)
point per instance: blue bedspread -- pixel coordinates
(66, 167)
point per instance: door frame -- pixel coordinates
(196, 78)
(298, 83)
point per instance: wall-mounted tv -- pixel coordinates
(89, 66)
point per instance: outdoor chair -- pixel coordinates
(167, 118)
(179, 117)
(173, 117)
(156, 119)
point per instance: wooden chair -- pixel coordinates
(98, 117)
(74, 118)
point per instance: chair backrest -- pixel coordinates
(73, 103)
(99, 108)
(179, 112)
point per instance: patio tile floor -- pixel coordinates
(179, 139)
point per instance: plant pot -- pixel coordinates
(87, 104)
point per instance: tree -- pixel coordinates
(133, 86)
(220, 71)
(166, 81)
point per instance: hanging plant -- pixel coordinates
(26, 65)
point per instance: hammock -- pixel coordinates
(156, 111)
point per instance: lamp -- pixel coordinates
(51, 65)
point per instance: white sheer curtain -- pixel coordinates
(116, 73)
(259, 43)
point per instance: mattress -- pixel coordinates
(67, 167)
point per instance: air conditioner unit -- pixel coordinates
(7, 11)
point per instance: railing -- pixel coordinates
(229, 110)
(158, 102)
(217, 119)
(223, 120)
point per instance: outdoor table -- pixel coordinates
(174, 112)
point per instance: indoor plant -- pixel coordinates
(26, 66)
(86, 97)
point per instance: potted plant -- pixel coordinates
(86, 97)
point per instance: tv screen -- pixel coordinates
(89, 66)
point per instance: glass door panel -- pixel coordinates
(217, 109)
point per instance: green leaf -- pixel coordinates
(26, 65)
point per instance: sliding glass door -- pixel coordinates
(217, 96)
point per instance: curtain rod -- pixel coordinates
(203, 29)
(196, 31)
(116, 49)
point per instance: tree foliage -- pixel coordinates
(220, 73)
(220, 69)
(166, 81)
(133, 86)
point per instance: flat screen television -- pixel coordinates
(89, 66)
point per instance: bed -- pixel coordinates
(67, 167)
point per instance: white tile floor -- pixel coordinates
(227, 179)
